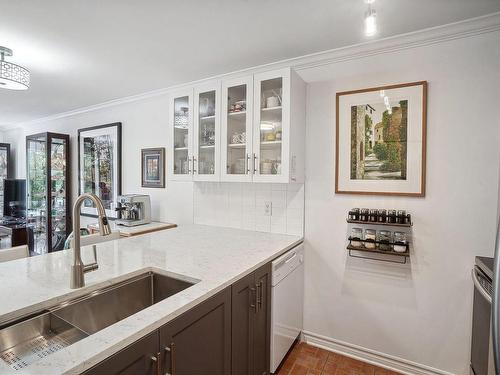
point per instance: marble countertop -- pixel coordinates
(135, 230)
(215, 256)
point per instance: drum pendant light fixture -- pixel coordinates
(12, 76)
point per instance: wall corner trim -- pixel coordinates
(370, 356)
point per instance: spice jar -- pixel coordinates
(384, 240)
(381, 216)
(363, 214)
(401, 217)
(400, 243)
(356, 236)
(354, 214)
(370, 237)
(372, 216)
(391, 216)
(408, 219)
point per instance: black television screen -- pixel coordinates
(14, 197)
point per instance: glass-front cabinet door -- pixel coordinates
(207, 133)
(272, 126)
(180, 166)
(48, 206)
(4, 174)
(236, 130)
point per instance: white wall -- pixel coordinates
(420, 312)
(144, 124)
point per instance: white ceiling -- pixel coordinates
(82, 53)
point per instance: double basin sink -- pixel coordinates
(33, 338)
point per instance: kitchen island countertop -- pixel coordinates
(216, 256)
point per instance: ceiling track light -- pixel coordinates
(370, 19)
(12, 76)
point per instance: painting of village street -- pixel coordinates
(378, 141)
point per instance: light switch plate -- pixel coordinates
(268, 208)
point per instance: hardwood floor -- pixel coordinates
(309, 360)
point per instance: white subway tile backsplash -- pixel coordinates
(242, 205)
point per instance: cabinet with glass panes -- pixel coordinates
(263, 128)
(48, 196)
(180, 153)
(206, 156)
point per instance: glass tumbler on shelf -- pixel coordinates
(400, 243)
(356, 236)
(370, 237)
(384, 240)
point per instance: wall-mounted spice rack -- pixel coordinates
(370, 243)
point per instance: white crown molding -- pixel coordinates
(373, 357)
(439, 34)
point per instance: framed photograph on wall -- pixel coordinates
(153, 167)
(99, 166)
(381, 140)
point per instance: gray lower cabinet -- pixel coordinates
(141, 357)
(199, 341)
(251, 323)
(227, 334)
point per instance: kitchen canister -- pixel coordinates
(372, 215)
(400, 242)
(356, 236)
(370, 237)
(384, 240)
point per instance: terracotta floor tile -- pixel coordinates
(329, 369)
(309, 360)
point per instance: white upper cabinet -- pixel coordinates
(236, 129)
(207, 132)
(180, 152)
(279, 127)
(244, 129)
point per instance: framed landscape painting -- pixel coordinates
(380, 140)
(153, 167)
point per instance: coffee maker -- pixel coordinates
(135, 209)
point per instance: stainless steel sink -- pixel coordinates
(26, 341)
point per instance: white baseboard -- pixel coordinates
(370, 356)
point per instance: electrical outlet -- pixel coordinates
(268, 208)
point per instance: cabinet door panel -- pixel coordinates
(199, 341)
(180, 152)
(262, 329)
(243, 298)
(135, 359)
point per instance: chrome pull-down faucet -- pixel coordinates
(78, 269)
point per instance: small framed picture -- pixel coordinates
(380, 140)
(153, 167)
